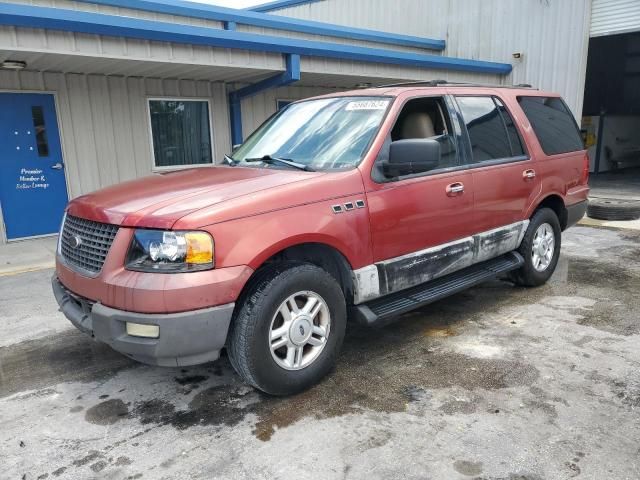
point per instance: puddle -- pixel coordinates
(604, 275)
(384, 379)
(384, 370)
(107, 412)
(615, 291)
(468, 468)
(439, 332)
(65, 357)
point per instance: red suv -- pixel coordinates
(359, 205)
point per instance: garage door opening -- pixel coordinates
(611, 115)
(611, 112)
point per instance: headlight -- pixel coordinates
(168, 251)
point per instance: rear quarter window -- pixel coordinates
(553, 124)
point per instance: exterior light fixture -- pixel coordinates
(13, 65)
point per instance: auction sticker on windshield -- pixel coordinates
(367, 105)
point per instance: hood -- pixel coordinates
(158, 201)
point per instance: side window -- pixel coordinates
(40, 128)
(428, 118)
(553, 124)
(515, 141)
(491, 130)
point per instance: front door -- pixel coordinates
(421, 224)
(33, 189)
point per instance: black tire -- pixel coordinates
(527, 275)
(249, 350)
(613, 209)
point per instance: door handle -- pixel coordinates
(529, 174)
(57, 166)
(455, 188)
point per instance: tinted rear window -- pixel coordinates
(553, 124)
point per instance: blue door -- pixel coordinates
(33, 189)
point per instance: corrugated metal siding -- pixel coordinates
(552, 35)
(24, 39)
(104, 122)
(258, 108)
(128, 12)
(132, 57)
(610, 17)
(106, 55)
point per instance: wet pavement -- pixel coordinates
(498, 382)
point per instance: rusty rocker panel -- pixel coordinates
(395, 274)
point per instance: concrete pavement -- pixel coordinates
(28, 255)
(495, 383)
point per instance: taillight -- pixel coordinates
(584, 179)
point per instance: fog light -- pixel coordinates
(143, 330)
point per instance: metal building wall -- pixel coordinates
(104, 121)
(104, 124)
(552, 35)
(108, 55)
(611, 17)
(257, 109)
(114, 49)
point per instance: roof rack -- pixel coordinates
(442, 83)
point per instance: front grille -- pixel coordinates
(95, 240)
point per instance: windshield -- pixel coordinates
(323, 134)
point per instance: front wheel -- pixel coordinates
(540, 249)
(288, 330)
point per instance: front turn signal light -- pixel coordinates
(199, 248)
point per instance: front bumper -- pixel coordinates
(186, 338)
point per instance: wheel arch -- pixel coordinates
(319, 253)
(556, 203)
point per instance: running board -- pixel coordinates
(381, 309)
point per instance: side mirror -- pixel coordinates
(411, 156)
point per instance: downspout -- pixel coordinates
(290, 75)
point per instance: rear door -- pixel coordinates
(504, 175)
(562, 162)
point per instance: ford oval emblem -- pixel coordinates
(75, 241)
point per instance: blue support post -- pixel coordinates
(290, 75)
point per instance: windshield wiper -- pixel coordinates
(268, 159)
(231, 161)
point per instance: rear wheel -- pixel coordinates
(540, 249)
(288, 330)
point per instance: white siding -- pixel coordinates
(104, 121)
(551, 35)
(132, 57)
(615, 16)
(258, 108)
(104, 124)
(50, 41)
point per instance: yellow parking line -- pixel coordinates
(620, 225)
(32, 268)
